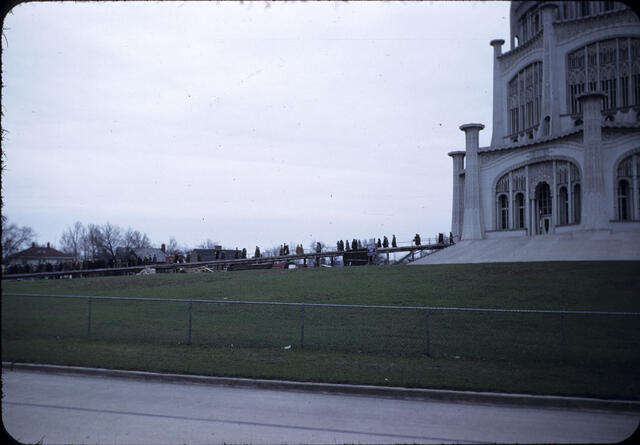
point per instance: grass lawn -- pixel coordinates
(511, 352)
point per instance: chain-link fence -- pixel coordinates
(491, 334)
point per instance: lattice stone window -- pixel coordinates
(543, 193)
(563, 206)
(503, 209)
(576, 78)
(529, 25)
(625, 168)
(592, 67)
(608, 69)
(624, 201)
(624, 71)
(577, 207)
(525, 98)
(519, 183)
(611, 65)
(503, 184)
(626, 196)
(514, 104)
(634, 57)
(573, 10)
(584, 9)
(638, 173)
(502, 203)
(575, 172)
(562, 174)
(519, 208)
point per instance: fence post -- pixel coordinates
(428, 352)
(89, 320)
(564, 337)
(190, 316)
(302, 326)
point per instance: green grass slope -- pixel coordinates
(591, 355)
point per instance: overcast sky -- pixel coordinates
(248, 123)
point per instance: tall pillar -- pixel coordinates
(634, 194)
(472, 227)
(550, 95)
(499, 106)
(527, 206)
(512, 206)
(570, 219)
(457, 205)
(594, 204)
(554, 197)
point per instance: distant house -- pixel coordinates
(141, 255)
(151, 253)
(218, 253)
(36, 255)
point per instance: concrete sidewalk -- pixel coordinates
(48, 407)
(526, 400)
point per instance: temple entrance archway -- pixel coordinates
(543, 209)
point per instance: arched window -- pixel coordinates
(624, 210)
(543, 195)
(546, 126)
(625, 188)
(503, 212)
(523, 196)
(524, 99)
(612, 66)
(584, 9)
(563, 206)
(577, 209)
(519, 208)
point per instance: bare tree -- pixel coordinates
(15, 238)
(208, 244)
(92, 242)
(111, 238)
(73, 240)
(172, 247)
(133, 239)
(271, 252)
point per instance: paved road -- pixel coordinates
(59, 408)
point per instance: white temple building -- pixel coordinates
(560, 179)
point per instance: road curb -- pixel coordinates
(520, 400)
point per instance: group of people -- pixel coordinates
(355, 244)
(345, 246)
(284, 250)
(439, 239)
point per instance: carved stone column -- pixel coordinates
(472, 226)
(499, 105)
(457, 205)
(550, 77)
(594, 204)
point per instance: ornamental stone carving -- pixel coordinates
(569, 30)
(515, 56)
(539, 172)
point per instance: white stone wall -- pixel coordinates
(495, 165)
(552, 47)
(564, 140)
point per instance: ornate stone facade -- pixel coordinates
(565, 148)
